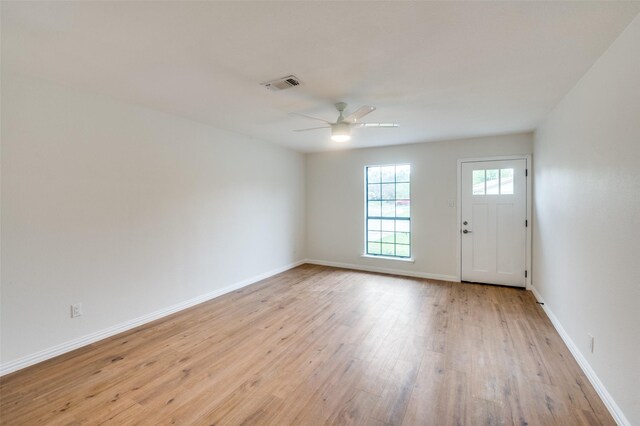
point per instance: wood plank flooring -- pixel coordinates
(318, 345)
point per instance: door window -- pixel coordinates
(492, 181)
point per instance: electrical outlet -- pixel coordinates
(76, 310)
(592, 342)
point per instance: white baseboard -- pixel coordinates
(384, 270)
(606, 397)
(62, 348)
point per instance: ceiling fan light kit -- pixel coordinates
(340, 132)
(341, 129)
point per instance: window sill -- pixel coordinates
(398, 259)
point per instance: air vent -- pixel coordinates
(282, 83)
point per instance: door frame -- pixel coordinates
(529, 209)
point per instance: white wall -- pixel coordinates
(129, 211)
(335, 201)
(587, 217)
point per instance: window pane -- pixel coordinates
(373, 224)
(373, 174)
(374, 209)
(403, 250)
(374, 236)
(388, 173)
(403, 172)
(388, 191)
(374, 248)
(402, 238)
(388, 249)
(388, 209)
(402, 191)
(493, 182)
(506, 181)
(402, 208)
(403, 226)
(373, 192)
(388, 225)
(387, 237)
(478, 182)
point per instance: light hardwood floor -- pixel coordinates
(319, 345)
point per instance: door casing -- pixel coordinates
(529, 210)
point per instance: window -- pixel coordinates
(388, 210)
(493, 182)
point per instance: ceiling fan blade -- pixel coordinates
(310, 116)
(376, 125)
(312, 128)
(359, 113)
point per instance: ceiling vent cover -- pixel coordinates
(282, 83)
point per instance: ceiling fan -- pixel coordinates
(341, 129)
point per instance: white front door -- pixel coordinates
(493, 221)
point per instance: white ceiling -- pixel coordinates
(441, 69)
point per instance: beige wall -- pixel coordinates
(587, 218)
(129, 211)
(335, 201)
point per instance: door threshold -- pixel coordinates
(496, 285)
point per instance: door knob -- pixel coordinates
(466, 232)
